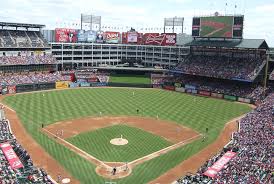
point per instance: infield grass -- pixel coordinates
(97, 143)
(195, 112)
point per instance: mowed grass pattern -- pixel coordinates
(195, 112)
(131, 79)
(97, 143)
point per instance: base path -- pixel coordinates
(192, 164)
(175, 133)
(38, 155)
(168, 130)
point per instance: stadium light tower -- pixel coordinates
(174, 22)
(91, 20)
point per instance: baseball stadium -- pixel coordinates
(107, 107)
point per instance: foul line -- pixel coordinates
(98, 162)
(83, 154)
(162, 151)
(7, 107)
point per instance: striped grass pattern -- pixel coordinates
(97, 143)
(195, 112)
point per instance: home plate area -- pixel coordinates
(117, 144)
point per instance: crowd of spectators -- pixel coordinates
(27, 60)
(271, 76)
(92, 75)
(159, 79)
(29, 174)
(254, 92)
(253, 144)
(221, 67)
(21, 38)
(32, 77)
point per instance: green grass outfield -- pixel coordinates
(195, 112)
(131, 79)
(140, 143)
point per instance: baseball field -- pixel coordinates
(134, 79)
(162, 129)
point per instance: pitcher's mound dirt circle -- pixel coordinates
(119, 141)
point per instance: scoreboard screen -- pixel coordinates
(218, 26)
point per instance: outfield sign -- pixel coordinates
(11, 156)
(217, 95)
(85, 84)
(62, 85)
(244, 100)
(182, 90)
(204, 93)
(74, 85)
(229, 97)
(219, 165)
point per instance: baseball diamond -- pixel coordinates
(116, 97)
(197, 113)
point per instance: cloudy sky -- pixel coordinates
(140, 14)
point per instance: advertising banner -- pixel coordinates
(187, 86)
(182, 90)
(81, 36)
(100, 37)
(73, 85)
(164, 39)
(244, 100)
(98, 84)
(62, 85)
(65, 35)
(171, 88)
(112, 37)
(204, 93)
(219, 165)
(194, 91)
(132, 37)
(11, 89)
(217, 95)
(11, 156)
(177, 85)
(229, 97)
(85, 84)
(189, 90)
(91, 36)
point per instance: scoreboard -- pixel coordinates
(218, 26)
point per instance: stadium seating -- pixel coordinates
(271, 77)
(29, 174)
(31, 78)
(27, 60)
(91, 75)
(21, 39)
(225, 87)
(221, 67)
(253, 145)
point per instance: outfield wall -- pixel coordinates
(66, 85)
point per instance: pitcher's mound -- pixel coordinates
(119, 141)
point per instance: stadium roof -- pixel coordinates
(10, 24)
(244, 43)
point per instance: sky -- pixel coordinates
(141, 14)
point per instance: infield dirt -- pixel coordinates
(53, 167)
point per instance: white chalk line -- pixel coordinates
(132, 163)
